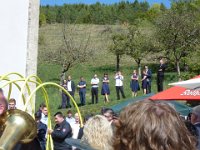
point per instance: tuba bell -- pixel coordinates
(16, 126)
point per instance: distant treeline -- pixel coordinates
(118, 13)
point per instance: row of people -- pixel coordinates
(146, 81)
(69, 85)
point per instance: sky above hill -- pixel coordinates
(61, 2)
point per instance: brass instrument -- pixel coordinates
(16, 126)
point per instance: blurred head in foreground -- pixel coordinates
(3, 105)
(108, 113)
(149, 125)
(98, 133)
(195, 115)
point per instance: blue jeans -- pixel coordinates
(82, 97)
(64, 100)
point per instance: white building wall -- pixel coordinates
(13, 35)
(17, 38)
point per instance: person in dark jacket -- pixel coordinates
(160, 75)
(70, 87)
(148, 74)
(82, 91)
(41, 130)
(62, 130)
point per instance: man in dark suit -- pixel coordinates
(160, 75)
(148, 75)
(41, 130)
(70, 87)
(62, 131)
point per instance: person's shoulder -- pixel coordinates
(63, 123)
(67, 123)
(42, 125)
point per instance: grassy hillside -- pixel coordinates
(51, 39)
(101, 62)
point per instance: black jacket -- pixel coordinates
(42, 129)
(161, 70)
(33, 145)
(73, 87)
(60, 133)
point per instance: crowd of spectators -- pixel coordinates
(143, 125)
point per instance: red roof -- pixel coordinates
(177, 93)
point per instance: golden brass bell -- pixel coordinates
(16, 126)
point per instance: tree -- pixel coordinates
(75, 48)
(179, 34)
(50, 13)
(118, 47)
(98, 13)
(193, 62)
(163, 7)
(140, 42)
(155, 11)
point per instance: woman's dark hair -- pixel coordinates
(107, 110)
(38, 115)
(59, 114)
